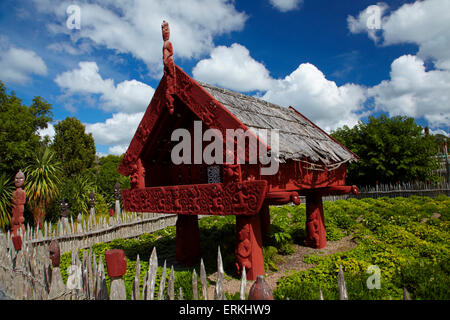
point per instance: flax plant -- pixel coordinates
(6, 189)
(42, 179)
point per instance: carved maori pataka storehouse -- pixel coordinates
(311, 164)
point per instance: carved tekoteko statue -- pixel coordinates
(169, 66)
(18, 202)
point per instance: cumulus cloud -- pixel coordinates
(128, 96)
(233, 68)
(49, 131)
(319, 99)
(425, 23)
(286, 5)
(415, 92)
(306, 88)
(116, 131)
(368, 20)
(134, 26)
(17, 65)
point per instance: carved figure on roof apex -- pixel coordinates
(169, 66)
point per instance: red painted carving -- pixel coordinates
(260, 290)
(249, 246)
(169, 67)
(315, 222)
(18, 202)
(243, 198)
(17, 242)
(55, 253)
(116, 263)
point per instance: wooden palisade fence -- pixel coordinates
(31, 274)
(72, 233)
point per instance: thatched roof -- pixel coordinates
(299, 138)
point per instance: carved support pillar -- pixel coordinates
(249, 246)
(315, 222)
(187, 239)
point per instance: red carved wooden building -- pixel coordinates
(311, 164)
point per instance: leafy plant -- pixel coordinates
(42, 183)
(6, 189)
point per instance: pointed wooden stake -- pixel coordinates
(170, 285)
(136, 293)
(243, 284)
(194, 285)
(203, 281)
(218, 290)
(162, 283)
(320, 294)
(341, 285)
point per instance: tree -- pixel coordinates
(74, 148)
(19, 140)
(390, 150)
(6, 189)
(76, 191)
(42, 183)
(108, 176)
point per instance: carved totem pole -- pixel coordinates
(18, 202)
(169, 66)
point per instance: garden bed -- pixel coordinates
(408, 239)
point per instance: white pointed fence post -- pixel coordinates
(116, 265)
(203, 281)
(341, 285)
(218, 290)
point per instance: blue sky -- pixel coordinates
(337, 62)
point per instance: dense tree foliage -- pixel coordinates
(19, 140)
(108, 176)
(390, 150)
(73, 146)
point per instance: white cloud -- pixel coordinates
(116, 131)
(286, 5)
(415, 92)
(49, 131)
(425, 23)
(135, 26)
(129, 96)
(319, 99)
(368, 20)
(17, 65)
(306, 89)
(233, 68)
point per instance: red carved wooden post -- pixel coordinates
(315, 222)
(169, 66)
(116, 265)
(18, 202)
(249, 245)
(187, 239)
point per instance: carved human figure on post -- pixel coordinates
(18, 202)
(169, 66)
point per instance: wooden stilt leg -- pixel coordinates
(187, 239)
(315, 222)
(249, 246)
